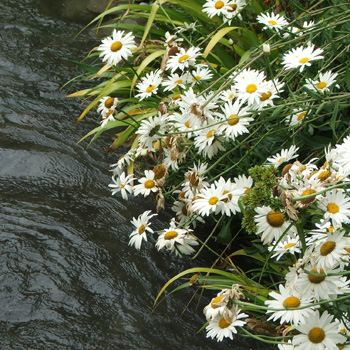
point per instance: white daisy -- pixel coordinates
(141, 227)
(146, 185)
(243, 182)
(106, 105)
(109, 117)
(301, 57)
(236, 6)
(175, 80)
(123, 161)
(236, 120)
(209, 141)
(271, 224)
(149, 84)
(200, 74)
(221, 328)
(171, 40)
(122, 184)
(117, 47)
(323, 83)
(286, 299)
(289, 244)
(215, 7)
(318, 333)
(285, 156)
(228, 95)
(149, 129)
(250, 85)
(273, 89)
(336, 207)
(297, 117)
(272, 21)
(183, 59)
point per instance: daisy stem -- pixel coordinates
(263, 338)
(301, 235)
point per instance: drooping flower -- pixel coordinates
(142, 226)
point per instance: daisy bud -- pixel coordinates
(230, 41)
(266, 48)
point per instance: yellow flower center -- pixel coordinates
(219, 5)
(149, 184)
(116, 46)
(233, 8)
(265, 96)
(213, 200)
(228, 197)
(176, 97)
(216, 301)
(289, 245)
(122, 186)
(275, 219)
(224, 324)
(247, 190)
(301, 116)
(251, 88)
(210, 133)
(150, 88)
(233, 119)
(170, 41)
(197, 77)
(324, 175)
(332, 208)
(327, 248)
(303, 60)
(316, 279)
(187, 124)
(316, 335)
(183, 58)
(307, 193)
(142, 229)
(178, 81)
(109, 102)
(272, 22)
(170, 235)
(291, 302)
(286, 169)
(321, 85)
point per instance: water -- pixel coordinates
(68, 279)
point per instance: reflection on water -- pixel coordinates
(68, 278)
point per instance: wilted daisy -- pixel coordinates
(289, 245)
(272, 21)
(215, 7)
(183, 59)
(250, 85)
(221, 328)
(286, 299)
(147, 184)
(271, 224)
(329, 254)
(149, 84)
(117, 47)
(237, 120)
(200, 74)
(141, 227)
(285, 156)
(301, 57)
(318, 332)
(175, 80)
(323, 83)
(336, 207)
(106, 105)
(122, 184)
(149, 129)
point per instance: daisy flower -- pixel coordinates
(272, 21)
(209, 200)
(149, 128)
(146, 184)
(244, 182)
(228, 95)
(318, 332)
(106, 105)
(209, 142)
(237, 120)
(285, 156)
(175, 80)
(123, 161)
(141, 227)
(329, 254)
(250, 85)
(343, 151)
(289, 245)
(183, 59)
(149, 84)
(297, 117)
(301, 57)
(171, 40)
(122, 184)
(200, 74)
(117, 47)
(216, 7)
(271, 224)
(273, 89)
(221, 328)
(236, 6)
(286, 299)
(323, 83)
(336, 207)
(109, 117)
(318, 287)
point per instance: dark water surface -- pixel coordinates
(68, 279)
